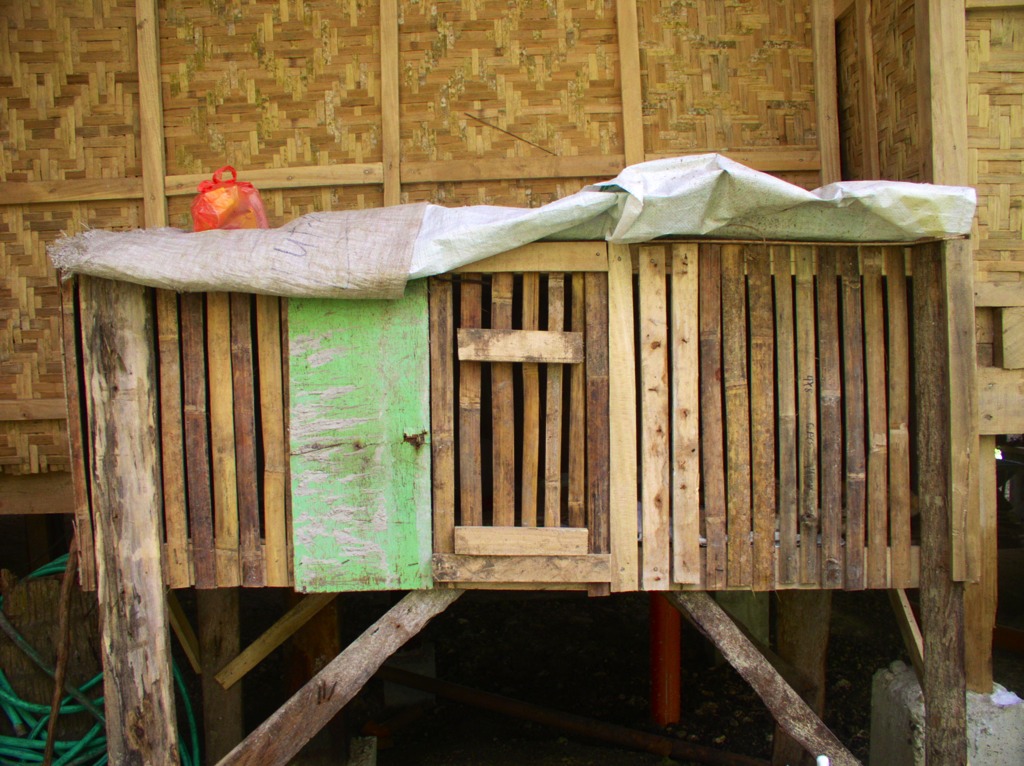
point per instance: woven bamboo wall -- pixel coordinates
(851, 130)
(896, 89)
(337, 104)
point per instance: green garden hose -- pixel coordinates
(30, 720)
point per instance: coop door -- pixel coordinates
(519, 373)
(360, 457)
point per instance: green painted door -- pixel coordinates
(360, 452)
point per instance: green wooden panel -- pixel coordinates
(360, 451)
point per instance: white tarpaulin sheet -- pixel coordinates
(371, 253)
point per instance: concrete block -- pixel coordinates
(995, 722)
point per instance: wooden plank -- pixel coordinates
(762, 416)
(511, 169)
(521, 541)
(785, 373)
(530, 439)
(597, 309)
(275, 461)
(980, 598)
(77, 422)
(151, 113)
(616, 446)
(776, 159)
(737, 416)
(453, 568)
(36, 493)
(553, 410)
(544, 256)
(866, 72)
(32, 409)
(685, 378)
(282, 735)
(360, 471)
(1009, 337)
(994, 294)
(197, 456)
(899, 418)
(577, 490)
(502, 411)
(712, 426)
(854, 404)
(222, 438)
(877, 418)
(830, 421)
(250, 552)
(218, 619)
(120, 370)
(390, 115)
(826, 89)
(172, 451)
(442, 414)
(234, 669)
(527, 345)
(910, 631)
(630, 80)
(347, 174)
(470, 455)
(72, 190)
(1000, 401)
(807, 410)
(655, 483)
(842, 7)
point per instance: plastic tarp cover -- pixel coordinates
(371, 253)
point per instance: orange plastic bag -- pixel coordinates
(229, 204)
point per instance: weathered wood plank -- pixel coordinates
(120, 373)
(685, 342)
(592, 568)
(553, 410)
(577, 489)
(899, 418)
(1000, 401)
(785, 372)
(471, 502)
(762, 416)
(830, 421)
(853, 401)
(359, 425)
(597, 364)
(807, 410)
(712, 426)
(442, 413)
(737, 415)
(275, 462)
(250, 552)
(877, 424)
(529, 346)
(530, 440)
(981, 598)
(502, 411)
(521, 541)
(544, 256)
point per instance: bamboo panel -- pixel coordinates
(655, 484)
(71, 94)
(502, 411)
(470, 487)
(553, 410)
(830, 420)
(877, 423)
(737, 416)
(896, 85)
(530, 446)
(270, 84)
(853, 400)
(899, 417)
(762, 416)
(508, 80)
(785, 372)
(807, 414)
(726, 75)
(712, 427)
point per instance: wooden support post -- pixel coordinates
(981, 597)
(787, 707)
(283, 734)
(218, 643)
(120, 370)
(666, 636)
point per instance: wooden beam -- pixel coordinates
(349, 174)
(781, 159)
(120, 367)
(218, 639)
(868, 104)
(151, 113)
(184, 632)
(981, 598)
(390, 116)
(33, 409)
(1000, 401)
(630, 82)
(453, 568)
(511, 168)
(544, 256)
(521, 541)
(534, 346)
(790, 711)
(76, 190)
(909, 630)
(283, 734)
(998, 294)
(36, 493)
(826, 89)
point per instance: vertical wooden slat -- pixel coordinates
(76, 404)
(899, 418)
(243, 385)
(853, 382)
(830, 421)
(620, 406)
(151, 113)
(389, 107)
(826, 89)
(685, 415)
(442, 410)
(577, 414)
(654, 408)
(553, 410)
(866, 73)
(470, 488)
(597, 353)
(737, 414)
(807, 411)
(785, 373)
(197, 455)
(980, 598)
(762, 415)
(275, 462)
(531, 407)
(222, 438)
(503, 410)
(629, 63)
(712, 430)
(878, 452)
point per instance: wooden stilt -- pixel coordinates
(665, 627)
(286, 731)
(120, 369)
(218, 643)
(788, 709)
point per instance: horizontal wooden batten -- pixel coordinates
(72, 190)
(536, 346)
(289, 178)
(998, 295)
(1000, 401)
(775, 160)
(36, 493)
(453, 567)
(33, 409)
(454, 171)
(521, 541)
(544, 257)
